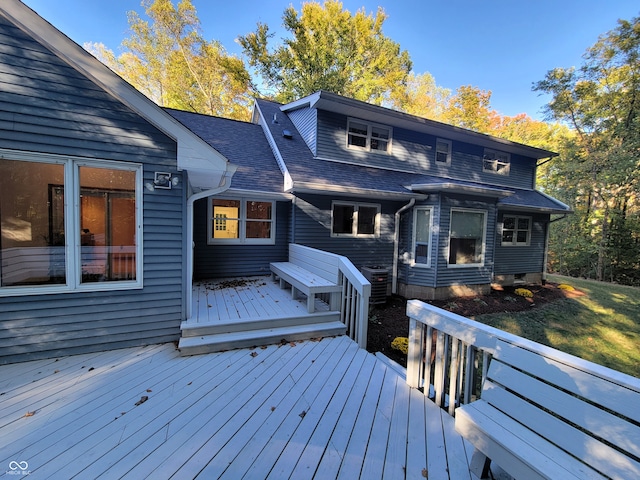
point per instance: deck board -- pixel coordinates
(246, 299)
(313, 409)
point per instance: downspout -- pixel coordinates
(396, 245)
(225, 183)
(546, 245)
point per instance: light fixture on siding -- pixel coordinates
(163, 181)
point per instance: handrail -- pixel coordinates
(354, 297)
(354, 307)
(449, 355)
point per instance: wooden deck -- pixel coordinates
(245, 299)
(313, 409)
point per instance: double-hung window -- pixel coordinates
(443, 152)
(496, 162)
(355, 219)
(69, 224)
(367, 136)
(422, 221)
(241, 221)
(467, 237)
(516, 230)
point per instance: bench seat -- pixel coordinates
(539, 417)
(301, 279)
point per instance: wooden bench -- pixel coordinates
(539, 417)
(311, 272)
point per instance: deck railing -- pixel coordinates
(449, 355)
(354, 304)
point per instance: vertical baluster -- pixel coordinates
(454, 368)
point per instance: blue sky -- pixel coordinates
(498, 45)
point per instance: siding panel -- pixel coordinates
(225, 261)
(48, 107)
(414, 152)
(305, 120)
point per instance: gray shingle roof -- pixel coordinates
(325, 175)
(243, 144)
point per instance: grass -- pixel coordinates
(602, 326)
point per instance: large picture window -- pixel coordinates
(241, 221)
(68, 224)
(466, 237)
(422, 218)
(355, 219)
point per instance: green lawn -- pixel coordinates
(602, 326)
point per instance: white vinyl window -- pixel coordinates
(69, 224)
(241, 221)
(467, 237)
(422, 227)
(366, 136)
(516, 230)
(443, 152)
(355, 219)
(496, 162)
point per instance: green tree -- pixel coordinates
(169, 61)
(329, 49)
(601, 103)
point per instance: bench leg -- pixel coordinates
(311, 303)
(480, 464)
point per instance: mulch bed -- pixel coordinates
(389, 321)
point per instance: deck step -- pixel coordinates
(264, 336)
(191, 329)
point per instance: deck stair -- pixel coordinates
(256, 332)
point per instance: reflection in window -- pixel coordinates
(516, 230)
(421, 235)
(241, 221)
(107, 224)
(466, 237)
(32, 241)
(355, 219)
(50, 238)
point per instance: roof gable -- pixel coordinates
(193, 152)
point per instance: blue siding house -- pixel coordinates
(446, 211)
(110, 206)
(97, 186)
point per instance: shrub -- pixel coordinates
(567, 287)
(401, 343)
(523, 292)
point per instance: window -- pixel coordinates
(241, 221)
(68, 224)
(443, 152)
(422, 236)
(355, 219)
(516, 230)
(369, 137)
(496, 162)
(466, 237)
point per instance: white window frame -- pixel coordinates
(515, 230)
(484, 238)
(368, 136)
(414, 243)
(242, 223)
(73, 261)
(354, 226)
(449, 151)
(496, 162)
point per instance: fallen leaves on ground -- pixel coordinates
(143, 399)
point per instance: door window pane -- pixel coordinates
(107, 224)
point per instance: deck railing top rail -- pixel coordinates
(356, 289)
(449, 355)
